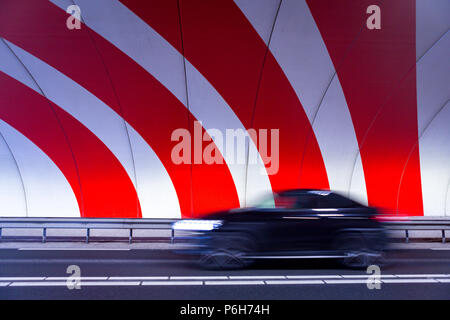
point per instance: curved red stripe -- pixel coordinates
(145, 103)
(376, 69)
(101, 185)
(220, 42)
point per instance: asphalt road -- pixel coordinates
(160, 274)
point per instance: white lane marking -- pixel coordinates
(423, 275)
(20, 278)
(409, 281)
(345, 281)
(110, 283)
(235, 283)
(199, 277)
(172, 283)
(76, 278)
(138, 278)
(64, 283)
(39, 284)
(294, 282)
(234, 280)
(315, 277)
(442, 249)
(257, 277)
(72, 249)
(351, 276)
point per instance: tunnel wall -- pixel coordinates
(88, 116)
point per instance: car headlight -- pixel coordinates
(196, 225)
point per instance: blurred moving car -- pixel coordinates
(294, 224)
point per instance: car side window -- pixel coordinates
(285, 202)
(306, 201)
(333, 200)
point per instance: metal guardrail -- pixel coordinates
(87, 224)
(412, 224)
(421, 224)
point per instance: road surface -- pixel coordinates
(124, 273)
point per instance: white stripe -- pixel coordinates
(155, 189)
(356, 281)
(43, 181)
(82, 284)
(409, 281)
(368, 275)
(76, 278)
(234, 280)
(165, 63)
(110, 283)
(299, 49)
(47, 190)
(431, 22)
(433, 78)
(156, 192)
(138, 278)
(284, 282)
(257, 277)
(433, 94)
(434, 162)
(313, 277)
(172, 283)
(443, 280)
(233, 283)
(199, 278)
(20, 278)
(72, 249)
(12, 192)
(38, 284)
(423, 275)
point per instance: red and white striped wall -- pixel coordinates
(86, 116)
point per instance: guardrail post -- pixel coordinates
(172, 236)
(130, 239)
(443, 236)
(44, 235)
(88, 232)
(407, 236)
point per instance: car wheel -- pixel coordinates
(227, 252)
(358, 254)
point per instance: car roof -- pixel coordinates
(303, 191)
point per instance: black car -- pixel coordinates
(293, 224)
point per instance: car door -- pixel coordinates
(276, 235)
(303, 224)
